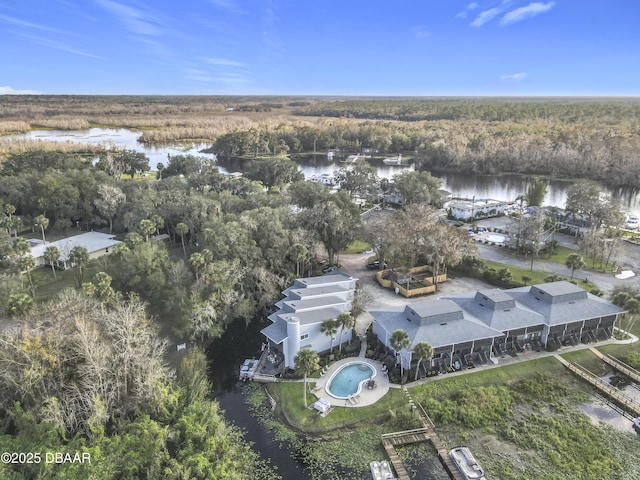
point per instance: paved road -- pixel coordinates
(627, 257)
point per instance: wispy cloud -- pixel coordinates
(223, 62)
(134, 20)
(230, 6)
(58, 45)
(26, 25)
(270, 37)
(468, 8)
(531, 10)
(513, 77)
(219, 70)
(6, 90)
(421, 32)
(485, 16)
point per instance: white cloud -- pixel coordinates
(421, 32)
(224, 62)
(465, 12)
(531, 10)
(6, 90)
(485, 17)
(513, 77)
(134, 20)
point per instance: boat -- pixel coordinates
(248, 369)
(394, 160)
(381, 471)
(466, 463)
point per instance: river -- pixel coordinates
(225, 355)
(500, 187)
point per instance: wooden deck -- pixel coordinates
(613, 393)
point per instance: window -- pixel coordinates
(304, 336)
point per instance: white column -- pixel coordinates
(293, 343)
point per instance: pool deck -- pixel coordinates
(367, 397)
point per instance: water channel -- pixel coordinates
(500, 187)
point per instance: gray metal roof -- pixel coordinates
(312, 316)
(489, 313)
(312, 292)
(295, 305)
(450, 332)
(568, 303)
(92, 241)
(277, 331)
(334, 277)
(433, 308)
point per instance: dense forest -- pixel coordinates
(85, 365)
(85, 368)
(591, 138)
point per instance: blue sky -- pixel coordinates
(325, 47)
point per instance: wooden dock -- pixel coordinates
(613, 393)
(391, 440)
(622, 367)
(425, 434)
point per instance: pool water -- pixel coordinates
(348, 379)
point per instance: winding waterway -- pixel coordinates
(501, 187)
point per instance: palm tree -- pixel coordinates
(400, 340)
(574, 262)
(25, 264)
(344, 320)
(147, 227)
(305, 363)
(158, 222)
(42, 222)
(423, 351)
(79, 256)
(51, 254)
(329, 327)
(182, 230)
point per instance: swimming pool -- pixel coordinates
(348, 379)
(496, 238)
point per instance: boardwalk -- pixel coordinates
(613, 393)
(622, 367)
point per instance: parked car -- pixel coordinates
(375, 265)
(329, 269)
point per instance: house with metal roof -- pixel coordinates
(487, 323)
(306, 304)
(96, 243)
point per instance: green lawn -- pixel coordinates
(587, 359)
(48, 286)
(357, 246)
(289, 396)
(536, 276)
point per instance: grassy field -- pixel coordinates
(357, 246)
(536, 276)
(520, 420)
